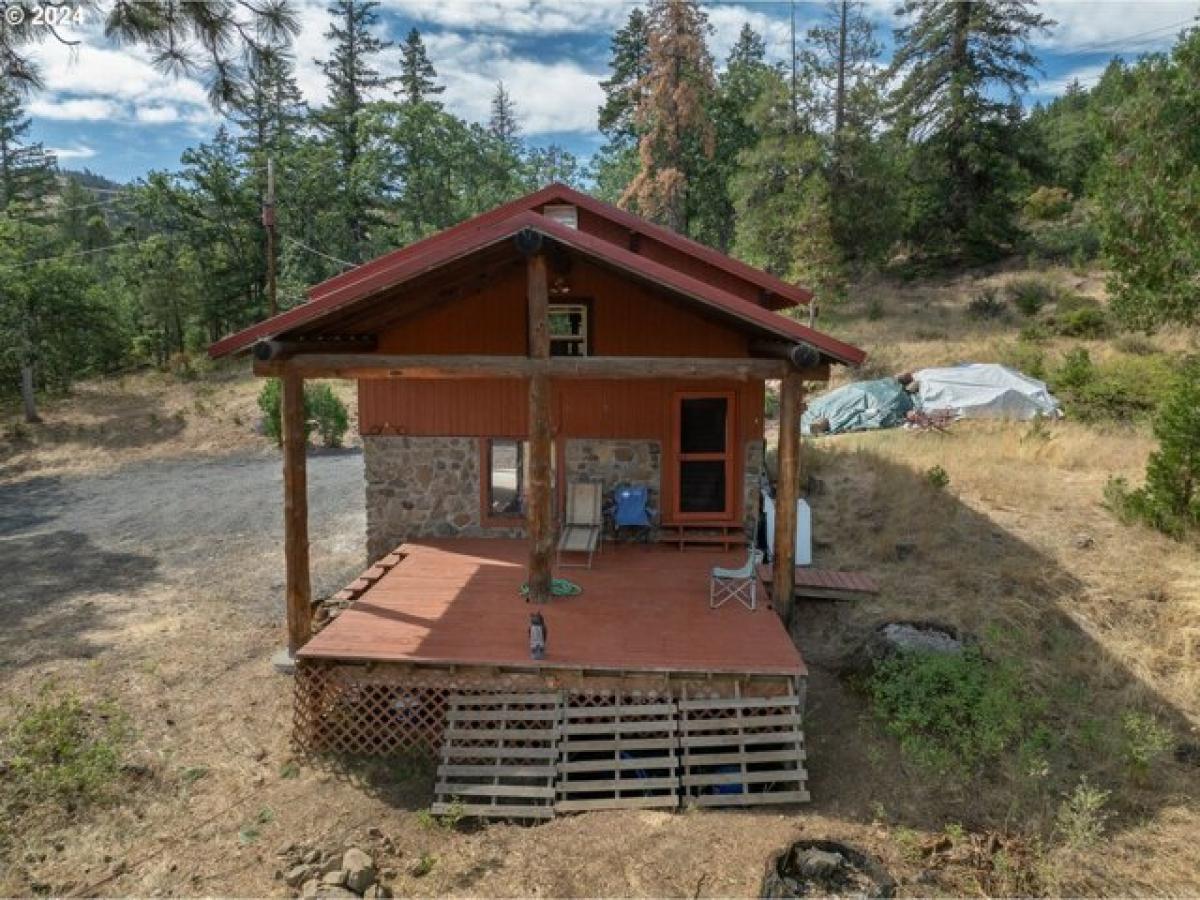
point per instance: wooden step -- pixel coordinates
(726, 536)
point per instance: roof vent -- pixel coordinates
(562, 213)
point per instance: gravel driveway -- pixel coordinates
(211, 525)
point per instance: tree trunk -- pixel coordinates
(28, 397)
(295, 514)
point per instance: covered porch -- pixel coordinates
(642, 608)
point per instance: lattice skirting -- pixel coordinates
(393, 710)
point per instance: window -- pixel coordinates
(507, 476)
(568, 329)
(562, 213)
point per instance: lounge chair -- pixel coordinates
(584, 521)
(735, 584)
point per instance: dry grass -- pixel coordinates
(1101, 626)
(110, 422)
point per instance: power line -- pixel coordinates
(63, 209)
(34, 262)
(304, 246)
(1128, 40)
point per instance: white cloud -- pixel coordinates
(1115, 27)
(157, 114)
(1085, 75)
(516, 16)
(81, 151)
(90, 110)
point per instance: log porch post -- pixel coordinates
(783, 568)
(295, 514)
(539, 514)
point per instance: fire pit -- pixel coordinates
(825, 869)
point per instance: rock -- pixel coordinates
(1084, 542)
(297, 875)
(375, 832)
(906, 636)
(312, 856)
(1188, 753)
(310, 888)
(813, 863)
(377, 892)
(359, 869)
(336, 878)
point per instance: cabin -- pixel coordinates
(552, 342)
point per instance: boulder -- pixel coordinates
(359, 870)
(298, 875)
(814, 863)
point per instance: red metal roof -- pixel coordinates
(400, 266)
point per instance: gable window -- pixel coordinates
(563, 213)
(507, 475)
(568, 329)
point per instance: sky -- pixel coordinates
(108, 109)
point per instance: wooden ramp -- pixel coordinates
(826, 584)
(499, 756)
(530, 756)
(742, 751)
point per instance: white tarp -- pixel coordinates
(985, 391)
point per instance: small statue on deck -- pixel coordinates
(537, 636)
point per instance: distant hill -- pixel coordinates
(89, 179)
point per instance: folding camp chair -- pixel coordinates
(735, 584)
(581, 530)
(629, 508)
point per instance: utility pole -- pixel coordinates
(268, 219)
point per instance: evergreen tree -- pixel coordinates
(739, 87)
(964, 66)
(26, 169)
(418, 78)
(271, 111)
(629, 63)
(550, 164)
(352, 79)
(504, 123)
(781, 197)
(843, 95)
(676, 135)
(1148, 190)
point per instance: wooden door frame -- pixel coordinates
(731, 457)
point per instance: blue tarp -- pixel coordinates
(861, 406)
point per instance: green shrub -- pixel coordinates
(952, 712)
(1122, 388)
(985, 305)
(323, 412)
(1144, 741)
(1085, 322)
(64, 750)
(1029, 295)
(326, 413)
(1170, 498)
(1081, 816)
(1048, 203)
(937, 477)
(1024, 356)
(270, 401)
(1136, 345)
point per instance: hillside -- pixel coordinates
(1096, 623)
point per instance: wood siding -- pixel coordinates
(628, 319)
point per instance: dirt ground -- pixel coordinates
(155, 579)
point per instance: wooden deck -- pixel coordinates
(643, 608)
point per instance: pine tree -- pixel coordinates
(418, 78)
(271, 111)
(352, 79)
(964, 67)
(781, 197)
(504, 123)
(26, 169)
(676, 133)
(739, 87)
(630, 65)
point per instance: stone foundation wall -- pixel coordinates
(430, 486)
(614, 461)
(422, 487)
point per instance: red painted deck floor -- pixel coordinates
(642, 608)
